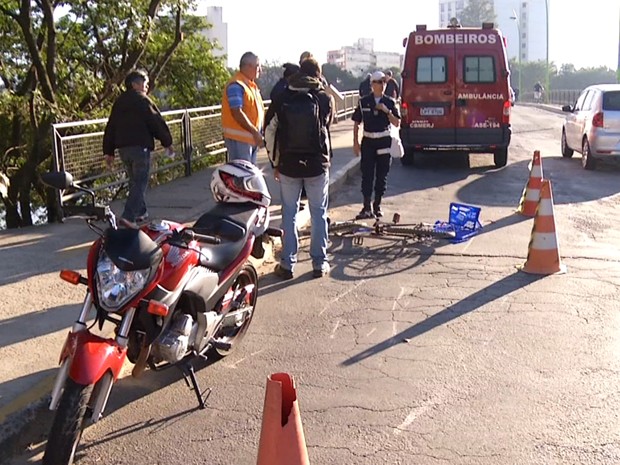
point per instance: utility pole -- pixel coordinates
(516, 18)
(547, 86)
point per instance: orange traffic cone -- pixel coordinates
(282, 439)
(543, 256)
(531, 191)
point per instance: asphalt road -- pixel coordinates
(424, 352)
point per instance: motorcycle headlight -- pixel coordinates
(116, 287)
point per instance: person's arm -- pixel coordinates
(356, 142)
(391, 114)
(108, 140)
(357, 118)
(157, 125)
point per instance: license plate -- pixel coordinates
(431, 111)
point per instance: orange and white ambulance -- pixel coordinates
(456, 92)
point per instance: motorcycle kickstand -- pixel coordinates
(188, 372)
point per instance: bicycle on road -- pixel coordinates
(391, 230)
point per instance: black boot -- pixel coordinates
(366, 212)
(376, 207)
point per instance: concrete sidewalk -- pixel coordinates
(37, 309)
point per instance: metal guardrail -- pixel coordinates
(555, 97)
(197, 138)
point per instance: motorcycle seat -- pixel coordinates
(232, 223)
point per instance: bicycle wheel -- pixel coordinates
(345, 227)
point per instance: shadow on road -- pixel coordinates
(36, 324)
(476, 300)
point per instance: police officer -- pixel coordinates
(376, 112)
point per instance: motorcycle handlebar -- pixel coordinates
(90, 211)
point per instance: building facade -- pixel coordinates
(218, 33)
(522, 22)
(361, 58)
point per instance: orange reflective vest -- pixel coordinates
(252, 107)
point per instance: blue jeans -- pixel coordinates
(137, 161)
(317, 191)
(240, 150)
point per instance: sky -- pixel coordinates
(581, 32)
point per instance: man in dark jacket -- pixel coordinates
(365, 87)
(392, 89)
(133, 124)
(297, 139)
(289, 70)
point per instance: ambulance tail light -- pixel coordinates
(506, 112)
(404, 109)
(598, 120)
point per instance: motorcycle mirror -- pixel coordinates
(58, 179)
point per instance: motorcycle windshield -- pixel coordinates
(132, 249)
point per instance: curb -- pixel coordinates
(23, 411)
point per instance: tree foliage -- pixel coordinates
(477, 12)
(65, 60)
(566, 78)
(341, 79)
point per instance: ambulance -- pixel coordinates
(455, 92)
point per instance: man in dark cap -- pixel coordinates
(289, 70)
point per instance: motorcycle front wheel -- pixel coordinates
(68, 424)
(233, 334)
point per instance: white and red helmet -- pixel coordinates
(240, 181)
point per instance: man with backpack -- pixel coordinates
(297, 139)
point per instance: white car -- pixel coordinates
(592, 126)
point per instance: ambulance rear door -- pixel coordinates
(481, 89)
(430, 97)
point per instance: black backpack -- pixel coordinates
(300, 128)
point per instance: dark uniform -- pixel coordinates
(375, 146)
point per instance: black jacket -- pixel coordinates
(134, 121)
(392, 89)
(365, 87)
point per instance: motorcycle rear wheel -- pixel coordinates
(68, 424)
(233, 336)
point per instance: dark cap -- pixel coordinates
(290, 69)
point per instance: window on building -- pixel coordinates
(524, 35)
(479, 69)
(431, 69)
(524, 5)
(524, 56)
(523, 16)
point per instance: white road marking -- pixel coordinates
(415, 413)
(336, 299)
(334, 330)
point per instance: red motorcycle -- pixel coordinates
(173, 294)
